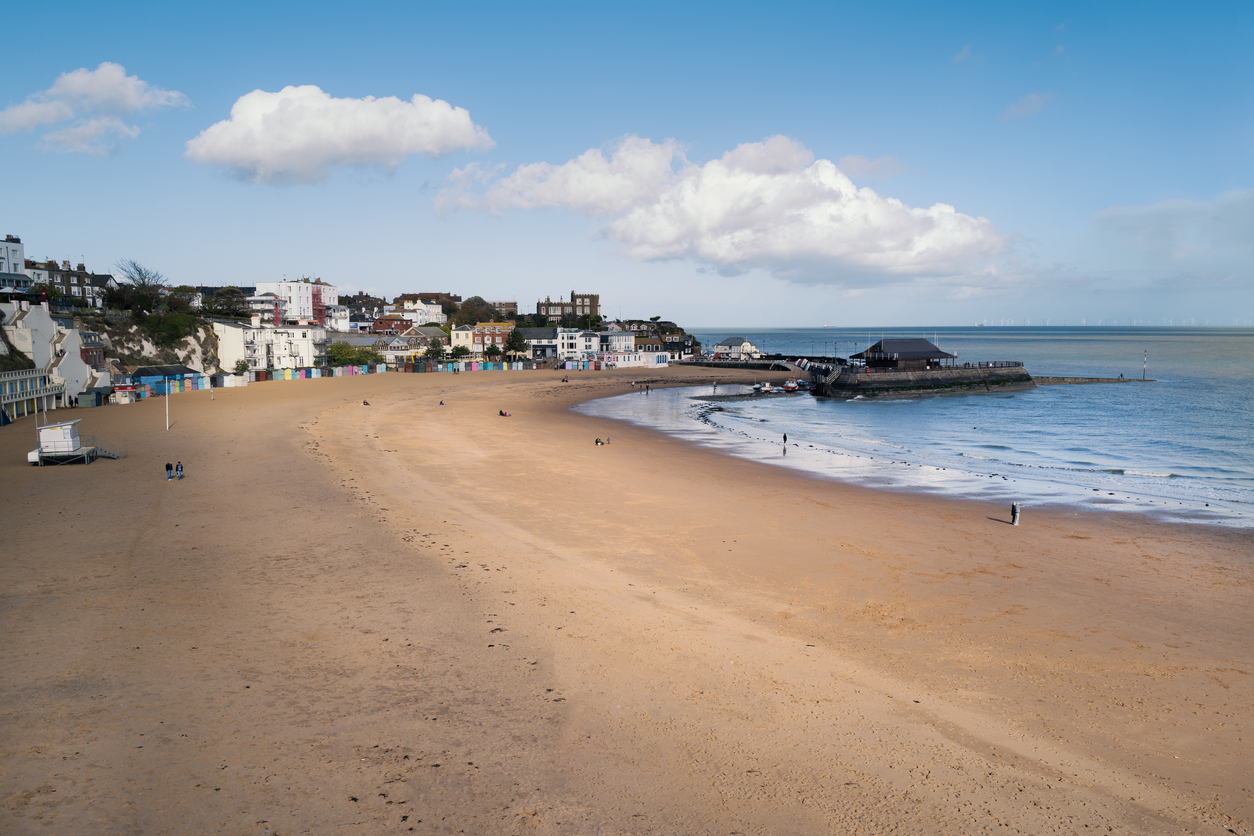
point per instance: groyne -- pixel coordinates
(1065, 381)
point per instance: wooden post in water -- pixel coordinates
(1144, 363)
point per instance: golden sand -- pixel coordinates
(407, 617)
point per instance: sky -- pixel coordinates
(729, 164)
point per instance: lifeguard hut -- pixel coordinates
(60, 444)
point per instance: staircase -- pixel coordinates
(110, 454)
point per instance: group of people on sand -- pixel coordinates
(171, 469)
(601, 443)
(503, 413)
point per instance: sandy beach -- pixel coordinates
(407, 617)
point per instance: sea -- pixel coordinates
(1179, 448)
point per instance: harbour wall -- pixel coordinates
(844, 382)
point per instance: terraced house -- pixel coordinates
(79, 285)
(479, 336)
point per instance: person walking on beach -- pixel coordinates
(1014, 513)
(178, 468)
(169, 471)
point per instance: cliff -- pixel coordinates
(145, 343)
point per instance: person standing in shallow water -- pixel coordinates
(169, 471)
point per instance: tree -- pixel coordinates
(436, 348)
(241, 366)
(51, 292)
(539, 320)
(340, 353)
(475, 309)
(460, 351)
(227, 301)
(654, 318)
(493, 351)
(141, 289)
(516, 344)
(179, 299)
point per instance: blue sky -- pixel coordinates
(782, 164)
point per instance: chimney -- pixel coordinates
(256, 323)
(82, 268)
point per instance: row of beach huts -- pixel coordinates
(156, 381)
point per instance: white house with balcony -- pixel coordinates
(302, 300)
(267, 347)
(424, 313)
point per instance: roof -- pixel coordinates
(539, 333)
(354, 339)
(162, 371)
(902, 349)
(734, 341)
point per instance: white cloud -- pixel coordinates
(636, 173)
(766, 205)
(880, 168)
(1028, 105)
(90, 136)
(108, 89)
(96, 98)
(299, 134)
(1188, 234)
(31, 114)
(963, 54)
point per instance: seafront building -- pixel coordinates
(28, 392)
(735, 348)
(479, 336)
(68, 361)
(422, 313)
(268, 347)
(305, 300)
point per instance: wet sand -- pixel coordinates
(412, 616)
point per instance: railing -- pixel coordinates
(14, 397)
(23, 373)
(991, 364)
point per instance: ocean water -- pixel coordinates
(1180, 448)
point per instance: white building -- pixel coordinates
(57, 352)
(735, 348)
(618, 342)
(267, 347)
(337, 317)
(12, 255)
(303, 300)
(28, 392)
(424, 313)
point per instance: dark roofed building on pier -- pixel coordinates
(903, 355)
